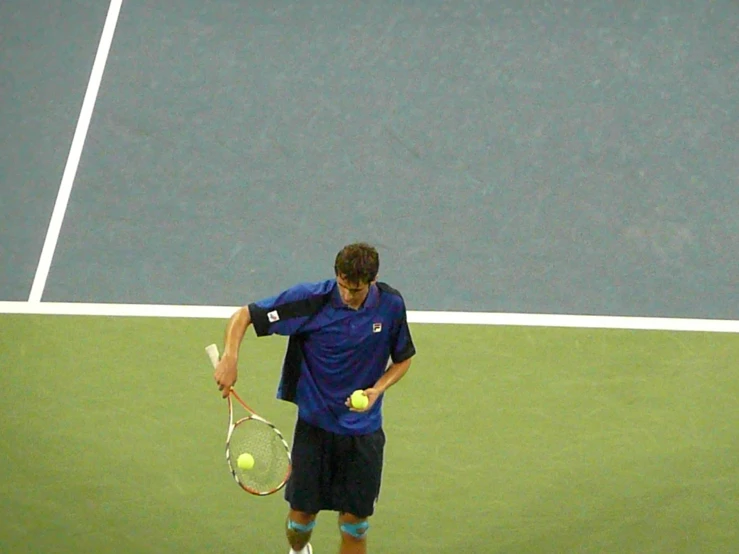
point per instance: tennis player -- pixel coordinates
(347, 333)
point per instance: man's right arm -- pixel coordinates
(283, 314)
(235, 330)
(226, 372)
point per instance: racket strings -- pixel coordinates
(267, 447)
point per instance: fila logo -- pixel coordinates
(273, 316)
(376, 327)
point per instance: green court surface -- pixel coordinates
(500, 440)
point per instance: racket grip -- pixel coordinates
(212, 351)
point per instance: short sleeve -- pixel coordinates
(402, 347)
(285, 313)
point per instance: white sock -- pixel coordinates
(304, 550)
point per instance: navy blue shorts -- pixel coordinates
(339, 473)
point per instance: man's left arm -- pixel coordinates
(392, 375)
(402, 352)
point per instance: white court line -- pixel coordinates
(449, 318)
(75, 153)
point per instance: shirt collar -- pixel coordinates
(373, 298)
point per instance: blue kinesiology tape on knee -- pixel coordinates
(299, 527)
(356, 530)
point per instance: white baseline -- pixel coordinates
(434, 317)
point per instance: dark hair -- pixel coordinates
(357, 263)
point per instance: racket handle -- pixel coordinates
(212, 351)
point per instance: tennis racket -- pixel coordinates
(253, 435)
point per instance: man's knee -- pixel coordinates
(353, 526)
(299, 528)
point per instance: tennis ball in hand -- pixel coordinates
(359, 400)
(245, 461)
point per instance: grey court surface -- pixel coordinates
(557, 157)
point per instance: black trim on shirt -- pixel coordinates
(384, 287)
(291, 369)
(410, 350)
(290, 310)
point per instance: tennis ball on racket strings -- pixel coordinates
(359, 400)
(245, 461)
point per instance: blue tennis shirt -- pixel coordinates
(334, 350)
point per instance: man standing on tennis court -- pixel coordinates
(348, 333)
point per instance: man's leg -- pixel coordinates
(361, 463)
(299, 528)
(353, 534)
(304, 491)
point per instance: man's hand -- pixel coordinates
(372, 396)
(226, 374)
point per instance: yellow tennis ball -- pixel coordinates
(359, 400)
(245, 461)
